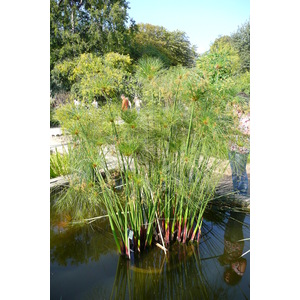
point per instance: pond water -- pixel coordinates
(85, 264)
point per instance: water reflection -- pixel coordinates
(188, 271)
(177, 276)
(78, 244)
(85, 263)
(233, 249)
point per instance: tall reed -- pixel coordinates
(163, 156)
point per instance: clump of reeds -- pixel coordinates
(166, 156)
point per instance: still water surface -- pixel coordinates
(85, 264)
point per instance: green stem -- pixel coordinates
(190, 129)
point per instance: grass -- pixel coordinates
(59, 164)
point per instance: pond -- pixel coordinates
(85, 264)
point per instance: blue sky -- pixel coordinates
(202, 20)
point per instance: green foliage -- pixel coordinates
(147, 72)
(241, 41)
(222, 43)
(90, 76)
(59, 164)
(93, 26)
(168, 155)
(149, 50)
(221, 62)
(238, 44)
(148, 68)
(164, 155)
(171, 47)
(90, 128)
(53, 121)
(61, 75)
(243, 83)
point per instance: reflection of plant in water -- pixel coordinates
(163, 156)
(179, 276)
(79, 244)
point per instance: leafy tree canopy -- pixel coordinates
(171, 47)
(90, 76)
(79, 26)
(241, 41)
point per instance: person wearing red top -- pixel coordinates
(125, 102)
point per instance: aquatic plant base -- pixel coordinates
(151, 261)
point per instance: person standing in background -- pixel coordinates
(125, 102)
(239, 151)
(95, 103)
(137, 103)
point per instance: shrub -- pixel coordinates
(89, 76)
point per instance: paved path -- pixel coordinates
(58, 141)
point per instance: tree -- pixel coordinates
(79, 26)
(241, 41)
(221, 43)
(171, 47)
(65, 34)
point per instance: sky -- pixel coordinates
(202, 20)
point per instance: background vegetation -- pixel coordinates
(93, 42)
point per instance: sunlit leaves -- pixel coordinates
(91, 76)
(148, 68)
(171, 47)
(94, 26)
(241, 41)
